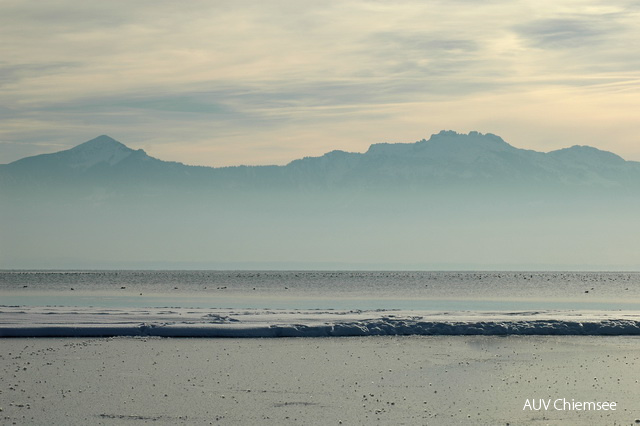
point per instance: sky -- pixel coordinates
(221, 83)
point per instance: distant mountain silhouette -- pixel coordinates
(446, 159)
(452, 201)
(102, 157)
(449, 157)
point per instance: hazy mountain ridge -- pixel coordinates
(452, 158)
(453, 199)
(447, 158)
(92, 157)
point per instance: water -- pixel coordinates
(357, 290)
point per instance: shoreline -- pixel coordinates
(21, 321)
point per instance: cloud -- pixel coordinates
(14, 73)
(567, 32)
(426, 54)
(304, 76)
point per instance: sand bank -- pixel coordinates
(352, 380)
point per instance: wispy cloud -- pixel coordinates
(220, 82)
(568, 32)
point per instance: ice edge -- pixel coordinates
(388, 327)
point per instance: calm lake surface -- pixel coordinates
(357, 290)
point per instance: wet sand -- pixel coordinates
(413, 380)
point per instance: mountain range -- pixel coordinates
(454, 201)
(446, 159)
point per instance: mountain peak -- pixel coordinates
(103, 149)
(587, 155)
(102, 141)
(446, 144)
(472, 139)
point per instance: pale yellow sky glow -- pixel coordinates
(246, 82)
